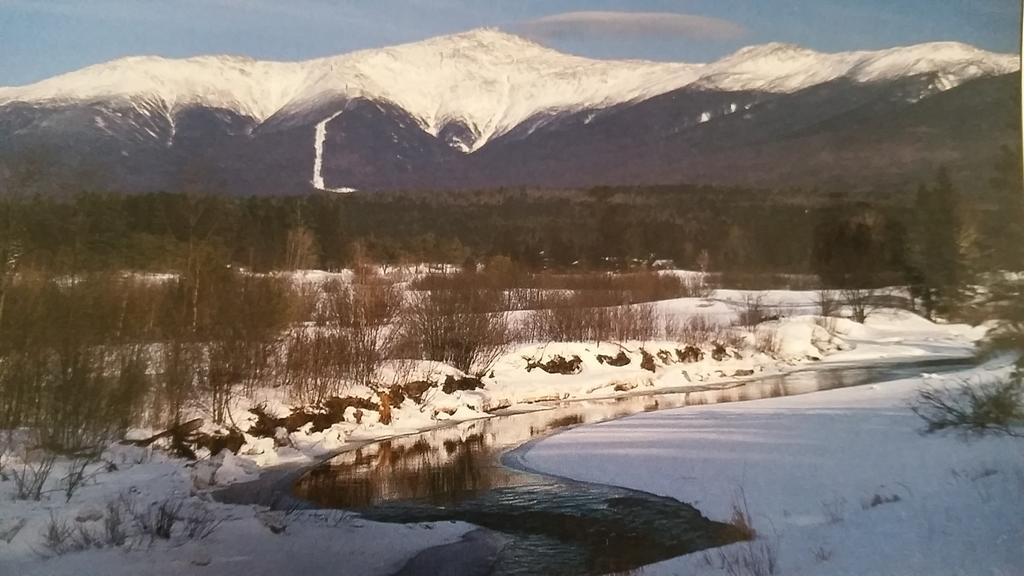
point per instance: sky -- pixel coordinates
(42, 38)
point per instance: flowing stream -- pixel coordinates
(537, 523)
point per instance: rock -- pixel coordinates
(319, 419)
(416, 390)
(557, 365)
(396, 394)
(719, 353)
(452, 384)
(690, 354)
(619, 360)
(743, 373)
(648, 361)
(265, 426)
(232, 441)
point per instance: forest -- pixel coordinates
(725, 230)
(99, 292)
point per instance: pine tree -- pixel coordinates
(1006, 220)
(944, 246)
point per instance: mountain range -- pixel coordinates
(487, 109)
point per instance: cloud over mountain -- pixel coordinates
(629, 25)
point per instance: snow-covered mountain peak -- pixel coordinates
(486, 80)
(780, 67)
(771, 49)
(482, 38)
(250, 87)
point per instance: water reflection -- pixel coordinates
(557, 526)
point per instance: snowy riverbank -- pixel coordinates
(837, 482)
(134, 483)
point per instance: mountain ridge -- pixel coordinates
(488, 109)
(488, 80)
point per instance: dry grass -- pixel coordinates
(974, 408)
(767, 340)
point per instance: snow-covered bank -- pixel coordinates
(242, 540)
(838, 482)
(249, 539)
(535, 373)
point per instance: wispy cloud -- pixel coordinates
(629, 25)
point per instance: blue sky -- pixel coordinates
(41, 38)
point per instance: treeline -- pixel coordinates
(613, 228)
(599, 229)
(944, 248)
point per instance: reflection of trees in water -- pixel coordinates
(556, 526)
(405, 470)
(441, 467)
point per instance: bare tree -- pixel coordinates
(458, 327)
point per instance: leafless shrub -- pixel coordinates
(567, 322)
(753, 312)
(596, 289)
(457, 327)
(59, 537)
(729, 339)
(76, 475)
(363, 315)
(183, 369)
(200, 523)
(974, 408)
(828, 302)
(829, 323)
(158, 519)
(767, 340)
(246, 318)
(71, 364)
(639, 322)
(62, 537)
(313, 362)
(573, 320)
(30, 478)
(695, 330)
(697, 286)
(861, 302)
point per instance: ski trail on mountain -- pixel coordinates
(318, 159)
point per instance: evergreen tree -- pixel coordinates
(1006, 220)
(944, 242)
